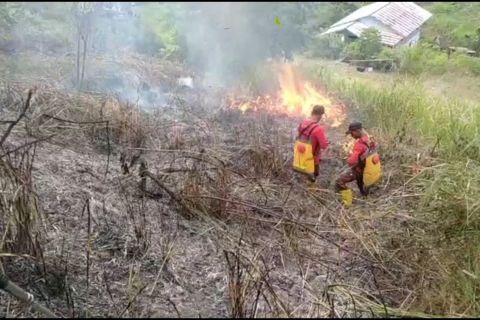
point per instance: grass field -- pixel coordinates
(450, 86)
(433, 136)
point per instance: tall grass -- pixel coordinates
(446, 136)
(405, 113)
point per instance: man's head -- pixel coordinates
(317, 112)
(355, 129)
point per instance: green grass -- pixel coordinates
(404, 112)
(452, 20)
(444, 244)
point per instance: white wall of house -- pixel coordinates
(411, 40)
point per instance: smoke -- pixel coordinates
(228, 41)
(223, 42)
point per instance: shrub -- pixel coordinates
(367, 46)
(389, 54)
(328, 46)
(422, 58)
(158, 20)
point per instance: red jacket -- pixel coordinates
(359, 149)
(317, 136)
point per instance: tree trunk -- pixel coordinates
(85, 40)
(78, 59)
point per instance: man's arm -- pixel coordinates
(358, 150)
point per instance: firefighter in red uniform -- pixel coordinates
(310, 128)
(356, 162)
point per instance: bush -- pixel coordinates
(422, 58)
(328, 46)
(367, 46)
(159, 21)
(389, 54)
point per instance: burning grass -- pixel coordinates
(296, 97)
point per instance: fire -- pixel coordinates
(300, 96)
(244, 107)
(296, 97)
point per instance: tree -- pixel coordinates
(83, 13)
(321, 15)
(474, 41)
(367, 46)
(157, 24)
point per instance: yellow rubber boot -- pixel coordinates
(347, 197)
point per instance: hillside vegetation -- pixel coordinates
(428, 117)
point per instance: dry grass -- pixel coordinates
(219, 220)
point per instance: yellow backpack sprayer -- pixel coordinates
(372, 173)
(303, 159)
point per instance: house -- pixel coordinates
(399, 23)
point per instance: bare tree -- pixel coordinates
(83, 13)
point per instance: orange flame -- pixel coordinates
(296, 97)
(244, 107)
(300, 96)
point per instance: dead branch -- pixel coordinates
(27, 145)
(75, 122)
(169, 192)
(22, 114)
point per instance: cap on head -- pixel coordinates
(354, 126)
(318, 110)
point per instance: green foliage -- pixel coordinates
(322, 15)
(318, 17)
(367, 46)
(446, 216)
(453, 22)
(35, 26)
(328, 46)
(158, 23)
(466, 63)
(422, 58)
(389, 54)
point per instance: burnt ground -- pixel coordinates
(244, 236)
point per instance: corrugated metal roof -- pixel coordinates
(338, 28)
(402, 17)
(362, 12)
(388, 38)
(397, 20)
